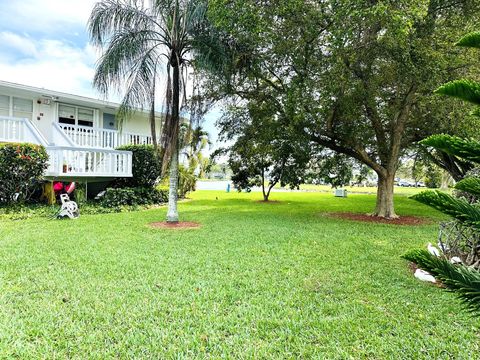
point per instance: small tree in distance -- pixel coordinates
(264, 153)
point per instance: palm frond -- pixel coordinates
(470, 40)
(453, 145)
(470, 185)
(457, 208)
(463, 89)
(461, 280)
(111, 16)
(126, 50)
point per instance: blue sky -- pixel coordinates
(44, 43)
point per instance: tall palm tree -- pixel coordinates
(138, 38)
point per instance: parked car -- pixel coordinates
(406, 183)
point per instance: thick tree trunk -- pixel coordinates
(384, 207)
(172, 214)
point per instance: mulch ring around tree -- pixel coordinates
(177, 225)
(402, 220)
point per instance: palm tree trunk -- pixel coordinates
(172, 214)
(153, 129)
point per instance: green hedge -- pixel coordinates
(128, 196)
(145, 167)
(21, 169)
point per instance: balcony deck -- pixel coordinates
(70, 160)
(88, 162)
(86, 136)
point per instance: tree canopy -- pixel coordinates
(355, 77)
(264, 150)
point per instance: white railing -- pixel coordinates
(87, 162)
(19, 130)
(86, 136)
(59, 138)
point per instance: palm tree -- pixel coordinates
(137, 40)
(194, 140)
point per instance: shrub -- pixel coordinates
(145, 167)
(433, 178)
(187, 181)
(133, 196)
(21, 169)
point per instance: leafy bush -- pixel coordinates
(145, 167)
(187, 181)
(21, 168)
(433, 177)
(132, 196)
(80, 194)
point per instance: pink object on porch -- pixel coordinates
(57, 186)
(70, 187)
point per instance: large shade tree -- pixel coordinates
(145, 42)
(356, 77)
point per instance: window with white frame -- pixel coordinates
(4, 105)
(16, 107)
(74, 115)
(85, 117)
(22, 108)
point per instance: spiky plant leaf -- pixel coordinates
(470, 185)
(453, 145)
(457, 208)
(470, 40)
(463, 89)
(461, 280)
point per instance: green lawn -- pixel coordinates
(258, 280)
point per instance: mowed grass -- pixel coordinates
(257, 280)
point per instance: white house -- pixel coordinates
(79, 133)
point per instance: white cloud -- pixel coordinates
(44, 43)
(18, 44)
(51, 64)
(46, 16)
